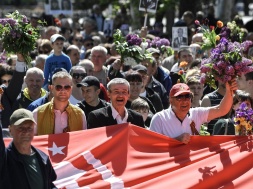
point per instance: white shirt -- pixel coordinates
(118, 118)
(166, 122)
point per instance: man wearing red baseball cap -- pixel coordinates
(180, 121)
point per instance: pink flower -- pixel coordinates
(197, 22)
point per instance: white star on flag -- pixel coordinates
(56, 150)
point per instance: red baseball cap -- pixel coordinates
(178, 89)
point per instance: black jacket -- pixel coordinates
(12, 171)
(87, 108)
(103, 117)
(10, 95)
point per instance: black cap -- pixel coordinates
(89, 81)
(140, 68)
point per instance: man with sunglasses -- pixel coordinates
(59, 115)
(78, 73)
(22, 165)
(180, 121)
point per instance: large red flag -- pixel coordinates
(124, 156)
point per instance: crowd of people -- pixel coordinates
(77, 82)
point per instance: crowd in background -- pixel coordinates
(85, 51)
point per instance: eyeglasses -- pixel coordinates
(183, 97)
(77, 75)
(44, 51)
(60, 87)
(5, 81)
(24, 129)
(79, 40)
(88, 44)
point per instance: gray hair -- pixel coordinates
(76, 68)
(99, 48)
(40, 58)
(118, 81)
(35, 70)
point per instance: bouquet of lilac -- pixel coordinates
(243, 120)
(162, 44)
(129, 48)
(18, 35)
(225, 63)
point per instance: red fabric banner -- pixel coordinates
(123, 156)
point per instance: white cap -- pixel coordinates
(54, 37)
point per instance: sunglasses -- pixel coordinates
(88, 44)
(60, 87)
(79, 40)
(183, 97)
(43, 52)
(77, 75)
(5, 81)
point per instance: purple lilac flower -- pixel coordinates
(25, 20)
(221, 64)
(230, 70)
(246, 61)
(133, 39)
(203, 78)
(165, 42)
(223, 41)
(11, 21)
(225, 32)
(246, 44)
(205, 69)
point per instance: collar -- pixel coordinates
(43, 92)
(115, 113)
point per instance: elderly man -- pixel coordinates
(115, 113)
(180, 121)
(58, 115)
(74, 54)
(98, 58)
(21, 164)
(34, 80)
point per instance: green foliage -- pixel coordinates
(203, 131)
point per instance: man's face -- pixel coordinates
(74, 56)
(242, 83)
(98, 58)
(151, 69)
(34, 82)
(88, 44)
(23, 133)
(181, 104)
(78, 41)
(90, 94)
(58, 45)
(61, 89)
(119, 94)
(78, 75)
(180, 32)
(186, 56)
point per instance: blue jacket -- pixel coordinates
(12, 171)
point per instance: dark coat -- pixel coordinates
(12, 171)
(103, 117)
(10, 95)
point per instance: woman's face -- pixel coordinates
(5, 79)
(197, 90)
